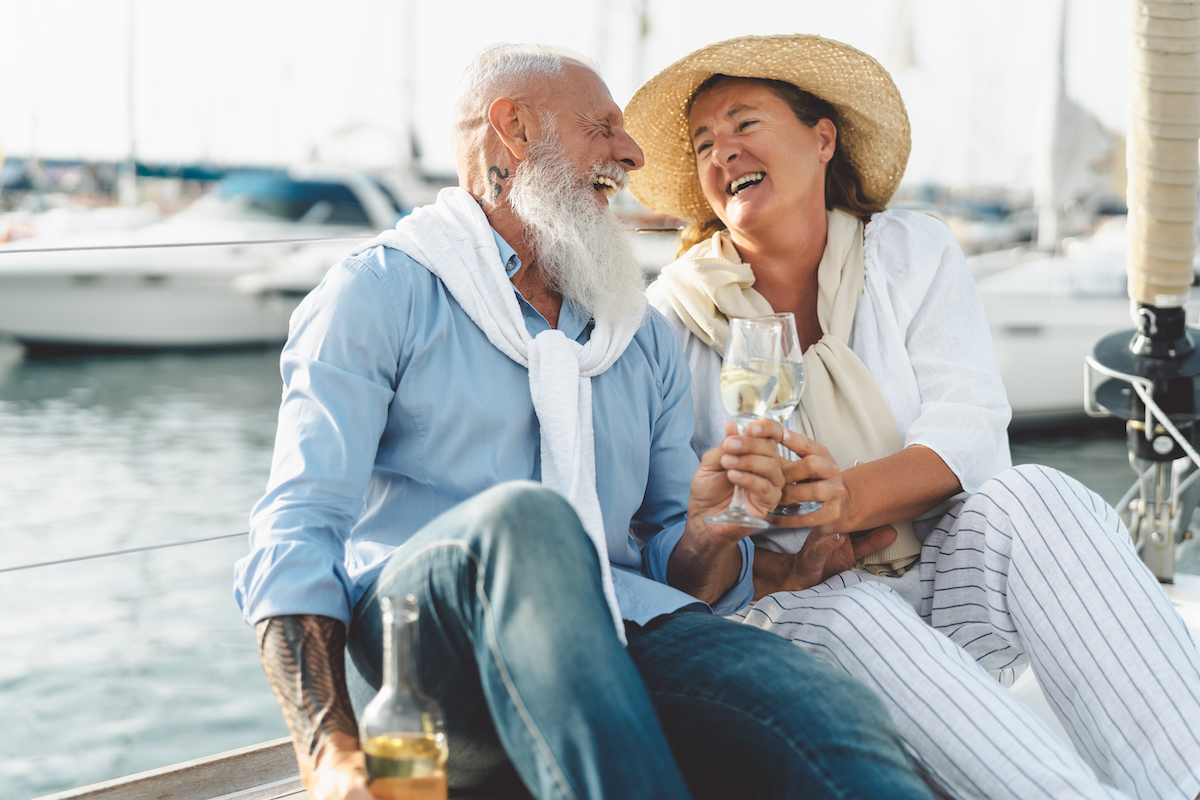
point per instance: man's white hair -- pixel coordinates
(499, 70)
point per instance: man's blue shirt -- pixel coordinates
(396, 408)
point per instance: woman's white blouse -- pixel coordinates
(921, 331)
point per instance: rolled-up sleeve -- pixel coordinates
(339, 369)
(934, 310)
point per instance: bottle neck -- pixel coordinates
(399, 647)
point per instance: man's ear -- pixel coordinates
(511, 124)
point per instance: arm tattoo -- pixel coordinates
(304, 658)
(495, 182)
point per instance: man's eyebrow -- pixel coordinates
(605, 119)
(730, 114)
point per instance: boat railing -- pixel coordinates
(162, 245)
(126, 551)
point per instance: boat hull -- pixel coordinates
(1040, 345)
(140, 311)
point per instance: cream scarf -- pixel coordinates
(841, 405)
(453, 239)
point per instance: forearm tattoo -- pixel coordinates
(304, 659)
(497, 189)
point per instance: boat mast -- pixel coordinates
(127, 182)
(1047, 191)
(410, 156)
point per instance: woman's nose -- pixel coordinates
(725, 151)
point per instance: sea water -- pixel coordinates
(122, 664)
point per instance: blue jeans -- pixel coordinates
(518, 647)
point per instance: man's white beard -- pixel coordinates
(578, 245)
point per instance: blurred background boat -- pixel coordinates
(1048, 309)
(138, 288)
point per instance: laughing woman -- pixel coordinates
(932, 561)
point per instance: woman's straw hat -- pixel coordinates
(873, 129)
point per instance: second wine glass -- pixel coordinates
(787, 397)
(749, 380)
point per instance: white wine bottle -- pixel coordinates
(401, 729)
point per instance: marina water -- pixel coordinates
(122, 664)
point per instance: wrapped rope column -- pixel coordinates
(1163, 160)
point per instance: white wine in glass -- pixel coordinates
(749, 381)
(787, 397)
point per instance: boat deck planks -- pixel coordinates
(265, 771)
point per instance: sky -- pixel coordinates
(278, 81)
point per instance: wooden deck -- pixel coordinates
(264, 771)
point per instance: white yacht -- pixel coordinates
(139, 289)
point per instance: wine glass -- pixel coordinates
(749, 379)
(787, 397)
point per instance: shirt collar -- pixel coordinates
(508, 256)
(571, 321)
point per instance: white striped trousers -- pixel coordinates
(1032, 568)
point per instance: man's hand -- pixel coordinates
(340, 771)
(822, 556)
(706, 562)
(749, 461)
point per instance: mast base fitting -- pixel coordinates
(1160, 445)
(1161, 333)
(1161, 353)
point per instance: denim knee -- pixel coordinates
(516, 497)
(526, 523)
(517, 542)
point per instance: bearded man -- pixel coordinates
(479, 411)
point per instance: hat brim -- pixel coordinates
(873, 128)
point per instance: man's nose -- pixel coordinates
(628, 153)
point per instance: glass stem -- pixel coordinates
(738, 501)
(784, 453)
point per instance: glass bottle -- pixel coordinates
(401, 729)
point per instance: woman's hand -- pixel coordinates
(814, 476)
(822, 556)
(864, 496)
(859, 506)
(828, 549)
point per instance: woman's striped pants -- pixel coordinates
(1033, 568)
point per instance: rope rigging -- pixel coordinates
(122, 552)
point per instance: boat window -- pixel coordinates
(276, 196)
(399, 209)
